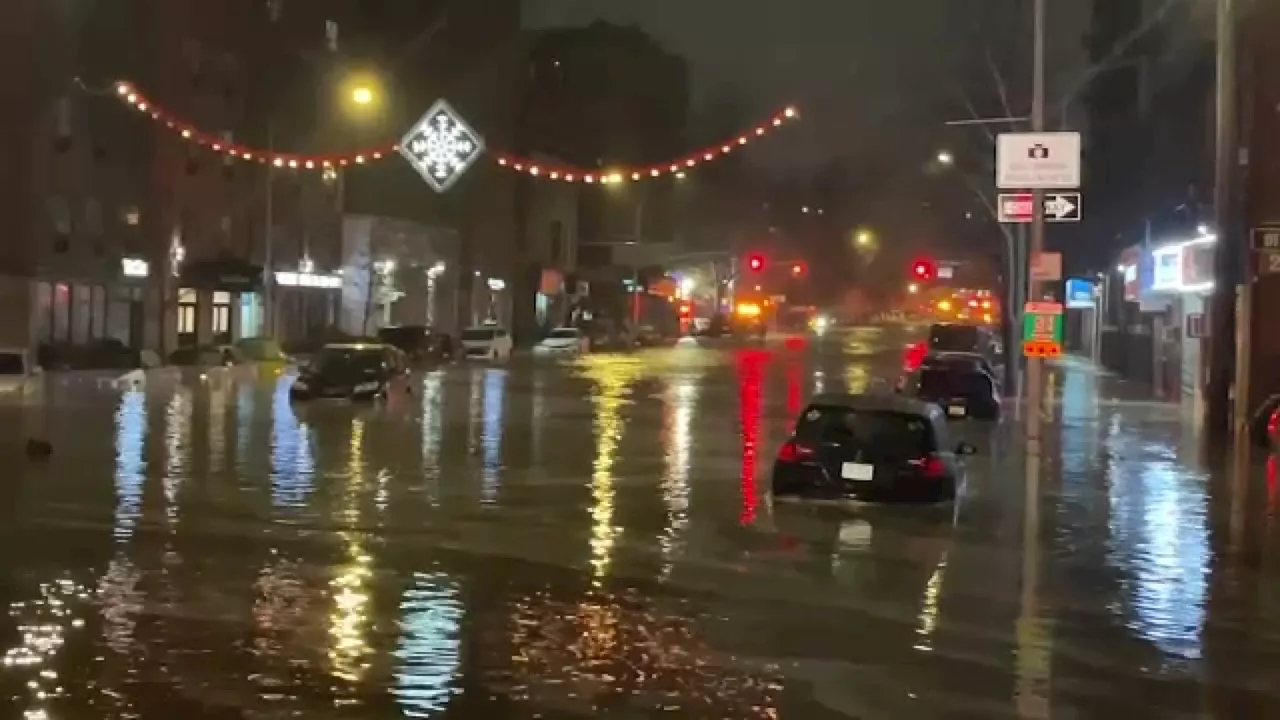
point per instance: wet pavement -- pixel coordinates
(595, 539)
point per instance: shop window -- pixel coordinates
(186, 319)
(221, 319)
(61, 312)
(187, 296)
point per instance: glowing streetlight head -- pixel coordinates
(946, 158)
(362, 95)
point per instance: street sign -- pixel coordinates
(1080, 293)
(1038, 161)
(1266, 239)
(1042, 329)
(1266, 244)
(1062, 207)
(1269, 262)
(1046, 267)
(1058, 207)
(1016, 207)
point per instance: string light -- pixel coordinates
(676, 167)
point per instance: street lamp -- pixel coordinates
(945, 157)
(913, 288)
(362, 95)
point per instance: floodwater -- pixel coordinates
(595, 539)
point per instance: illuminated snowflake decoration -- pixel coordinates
(441, 146)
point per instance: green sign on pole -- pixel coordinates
(1042, 329)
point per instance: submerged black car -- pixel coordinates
(963, 385)
(355, 371)
(870, 447)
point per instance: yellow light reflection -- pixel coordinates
(681, 399)
(349, 649)
(42, 625)
(613, 376)
(177, 432)
(928, 621)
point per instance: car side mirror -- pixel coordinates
(965, 448)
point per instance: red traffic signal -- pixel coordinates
(923, 270)
(755, 263)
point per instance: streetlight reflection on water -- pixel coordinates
(613, 377)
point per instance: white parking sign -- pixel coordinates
(1038, 161)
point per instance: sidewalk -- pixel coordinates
(1074, 374)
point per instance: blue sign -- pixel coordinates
(1079, 293)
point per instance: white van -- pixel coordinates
(487, 342)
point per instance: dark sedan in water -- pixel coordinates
(357, 371)
(870, 447)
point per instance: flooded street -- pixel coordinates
(595, 539)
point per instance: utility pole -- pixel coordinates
(1035, 365)
(1226, 257)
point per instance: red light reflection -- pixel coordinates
(750, 387)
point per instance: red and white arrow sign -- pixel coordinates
(1016, 207)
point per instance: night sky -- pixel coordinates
(866, 73)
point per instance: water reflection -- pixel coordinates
(1159, 540)
(348, 621)
(131, 464)
(429, 653)
(178, 451)
(495, 403)
(751, 365)
(292, 463)
(42, 625)
(432, 433)
(613, 376)
(680, 402)
(614, 649)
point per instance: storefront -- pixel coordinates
(76, 312)
(217, 302)
(1178, 302)
(307, 304)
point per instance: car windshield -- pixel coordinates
(478, 334)
(565, 334)
(953, 380)
(340, 360)
(957, 338)
(887, 433)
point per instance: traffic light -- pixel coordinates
(923, 270)
(755, 263)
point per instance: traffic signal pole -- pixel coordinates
(1035, 365)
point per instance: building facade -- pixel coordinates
(120, 230)
(604, 96)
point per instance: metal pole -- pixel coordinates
(268, 243)
(1222, 333)
(1035, 365)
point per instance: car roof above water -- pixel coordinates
(876, 402)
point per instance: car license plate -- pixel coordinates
(857, 472)
(956, 411)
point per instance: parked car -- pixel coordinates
(565, 341)
(486, 342)
(963, 385)
(18, 372)
(354, 371)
